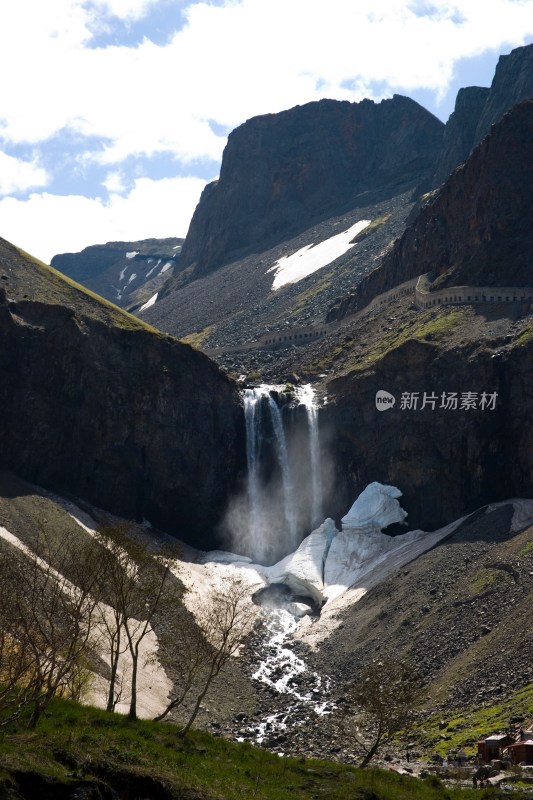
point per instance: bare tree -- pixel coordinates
(48, 620)
(220, 628)
(189, 661)
(17, 663)
(380, 705)
(137, 586)
(118, 587)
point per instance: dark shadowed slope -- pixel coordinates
(96, 403)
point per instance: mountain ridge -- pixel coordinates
(477, 109)
(126, 273)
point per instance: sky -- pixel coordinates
(114, 113)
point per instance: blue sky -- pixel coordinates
(114, 113)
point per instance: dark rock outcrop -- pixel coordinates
(477, 230)
(283, 172)
(477, 109)
(512, 84)
(127, 273)
(120, 415)
(447, 462)
(460, 131)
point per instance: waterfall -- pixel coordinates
(272, 509)
(289, 500)
(280, 503)
(252, 398)
(307, 398)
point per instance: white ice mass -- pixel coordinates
(329, 563)
(375, 508)
(291, 269)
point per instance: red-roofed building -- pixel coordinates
(493, 746)
(522, 752)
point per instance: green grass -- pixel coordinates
(72, 741)
(486, 578)
(428, 326)
(304, 298)
(464, 729)
(527, 549)
(117, 316)
(198, 338)
(525, 337)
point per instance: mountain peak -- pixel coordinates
(282, 172)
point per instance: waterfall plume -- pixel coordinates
(289, 500)
(307, 397)
(283, 498)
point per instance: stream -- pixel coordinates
(287, 674)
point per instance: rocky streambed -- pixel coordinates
(303, 692)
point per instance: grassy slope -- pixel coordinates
(361, 344)
(355, 353)
(72, 742)
(445, 732)
(26, 278)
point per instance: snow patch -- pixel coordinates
(309, 259)
(149, 303)
(132, 254)
(153, 268)
(122, 273)
(166, 267)
(132, 278)
(203, 579)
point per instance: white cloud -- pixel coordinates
(17, 175)
(228, 63)
(46, 224)
(123, 9)
(115, 183)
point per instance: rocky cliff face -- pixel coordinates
(512, 84)
(127, 273)
(477, 230)
(449, 461)
(477, 109)
(282, 172)
(98, 405)
(460, 131)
